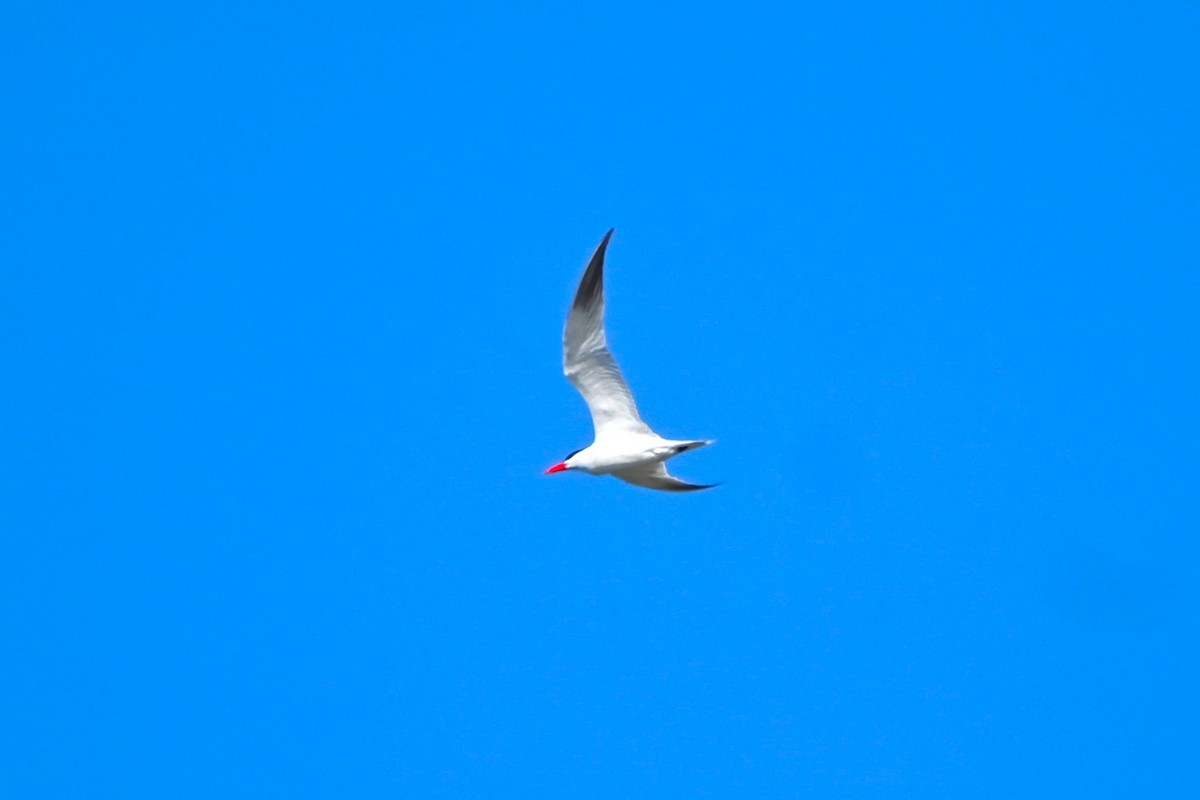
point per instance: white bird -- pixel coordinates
(624, 445)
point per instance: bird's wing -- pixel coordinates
(655, 476)
(587, 362)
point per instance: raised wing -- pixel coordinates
(655, 476)
(587, 362)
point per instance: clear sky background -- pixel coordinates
(282, 295)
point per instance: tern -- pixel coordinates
(623, 446)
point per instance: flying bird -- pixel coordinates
(624, 445)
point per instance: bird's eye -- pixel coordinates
(572, 453)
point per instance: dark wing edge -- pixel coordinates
(657, 477)
(684, 486)
(591, 286)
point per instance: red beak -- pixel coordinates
(559, 467)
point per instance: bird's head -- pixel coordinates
(565, 464)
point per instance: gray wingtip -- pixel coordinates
(591, 285)
(691, 487)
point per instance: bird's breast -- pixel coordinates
(610, 454)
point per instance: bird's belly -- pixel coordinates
(614, 459)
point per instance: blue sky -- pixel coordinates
(282, 297)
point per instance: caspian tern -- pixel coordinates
(624, 445)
